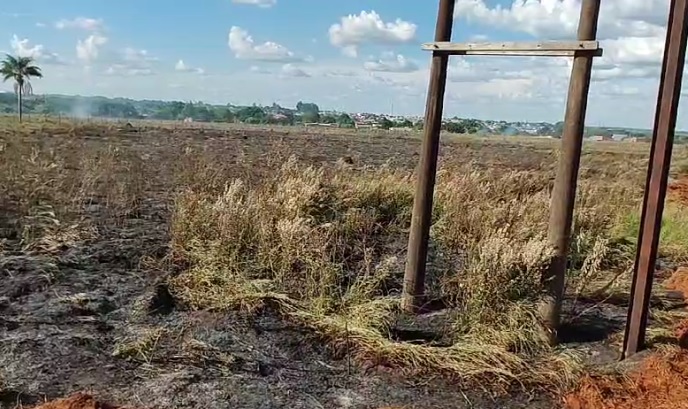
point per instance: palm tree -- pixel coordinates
(20, 69)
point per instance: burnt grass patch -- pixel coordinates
(95, 296)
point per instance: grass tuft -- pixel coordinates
(324, 247)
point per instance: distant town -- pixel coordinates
(303, 114)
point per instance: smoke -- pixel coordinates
(81, 109)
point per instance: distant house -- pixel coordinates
(365, 124)
(618, 137)
(317, 124)
(601, 138)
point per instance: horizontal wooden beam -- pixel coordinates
(594, 53)
(545, 49)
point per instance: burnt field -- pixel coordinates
(172, 267)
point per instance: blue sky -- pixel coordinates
(352, 55)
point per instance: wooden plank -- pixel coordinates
(547, 48)
(513, 46)
(594, 53)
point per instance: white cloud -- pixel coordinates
(244, 47)
(125, 70)
(259, 70)
(127, 62)
(463, 71)
(633, 51)
(368, 27)
(533, 17)
(137, 57)
(130, 62)
(89, 49)
(632, 32)
(350, 51)
(23, 48)
(182, 67)
(551, 19)
(340, 73)
(391, 63)
(81, 23)
(290, 70)
(478, 38)
(259, 3)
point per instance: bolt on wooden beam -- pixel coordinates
(414, 277)
(564, 191)
(657, 176)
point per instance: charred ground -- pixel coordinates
(96, 297)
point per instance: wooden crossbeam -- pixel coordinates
(543, 49)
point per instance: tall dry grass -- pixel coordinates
(48, 187)
(325, 247)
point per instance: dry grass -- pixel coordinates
(47, 185)
(325, 245)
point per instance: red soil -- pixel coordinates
(678, 281)
(76, 401)
(678, 190)
(661, 382)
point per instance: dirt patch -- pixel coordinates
(681, 332)
(76, 401)
(678, 282)
(678, 190)
(661, 382)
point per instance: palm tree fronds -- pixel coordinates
(33, 71)
(11, 60)
(20, 69)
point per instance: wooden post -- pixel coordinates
(564, 191)
(657, 176)
(414, 277)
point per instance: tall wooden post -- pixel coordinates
(657, 176)
(414, 277)
(564, 191)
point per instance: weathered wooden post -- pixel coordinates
(564, 191)
(657, 176)
(414, 277)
